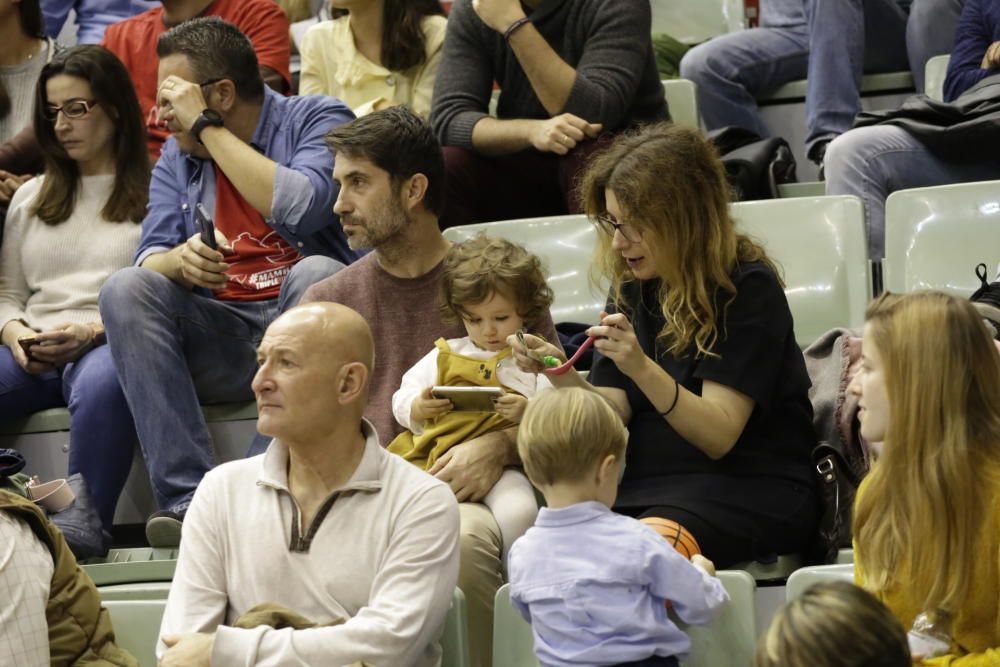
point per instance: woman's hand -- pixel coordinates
(527, 363)
(428, 406)
(616, 340)
(511, 407)
(11, 333)
(64, 344)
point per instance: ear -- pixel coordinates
(352, 382)
(414, 191)
(225, 95)
(608, 467)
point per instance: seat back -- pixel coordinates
(805, 577)
(137, 626)
(935, 72)
(820, 246)
(694, 21)
(728, 641)
(455, 637)
(934, 237)
(565, 245)
(682, 100)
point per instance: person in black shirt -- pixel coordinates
(696, 352)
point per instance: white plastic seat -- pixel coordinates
(682, 100)
(565, 245)
(694, 21)
(935, 237)
(935, 72)
(820, 245)
(728, 641)
(137, 626)
(805, 577)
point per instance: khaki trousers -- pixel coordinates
(479, 577)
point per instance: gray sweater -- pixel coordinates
(606, 41)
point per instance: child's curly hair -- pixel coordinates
(476, 269)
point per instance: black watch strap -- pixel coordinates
(207, 118)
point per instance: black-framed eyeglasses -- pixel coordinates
(71, 109)
(210, 82)
(607, 224)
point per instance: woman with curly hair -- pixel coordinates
(696, 352)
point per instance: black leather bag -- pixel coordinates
(755, 167)
(838, 484)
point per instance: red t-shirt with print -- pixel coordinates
(134, 42)
(261, 259)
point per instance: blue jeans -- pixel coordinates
(830, 42)
(101, 431)
(873, 162)
(174, 350)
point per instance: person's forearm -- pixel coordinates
(251, 173)
(491, 136)
(551, 77)
(700, 422)
(167, 264)
(14, 330)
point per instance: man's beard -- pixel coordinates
(381, 227)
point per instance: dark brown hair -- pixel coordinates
(476, 269)
(30, 15)
(111, 86)
(398, 141)
(403, 43)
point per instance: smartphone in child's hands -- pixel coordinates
(469, 399)
(206, 226)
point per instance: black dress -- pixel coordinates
(759, 499)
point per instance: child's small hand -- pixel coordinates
(700, 561)
(427, 406)
(511, 407)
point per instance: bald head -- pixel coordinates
(315, 363)
(338, 331)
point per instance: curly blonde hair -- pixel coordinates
(671, 185)
(476, 269)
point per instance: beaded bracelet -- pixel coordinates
(677, 393)
(514, 26)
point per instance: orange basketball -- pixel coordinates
(675, 534)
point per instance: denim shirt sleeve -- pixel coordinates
(54, 13)
(304, 190)
(164, 226)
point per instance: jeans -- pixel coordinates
(830, 42)
(873, 162)
(175, 349)
(101, 431)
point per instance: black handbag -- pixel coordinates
(838, 484)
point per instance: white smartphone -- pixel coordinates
(469, 399)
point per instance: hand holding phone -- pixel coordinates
(205, 226)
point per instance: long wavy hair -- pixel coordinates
(671, 185)
(30, 17)
(403, 43)
(111, 86)
(927, 497)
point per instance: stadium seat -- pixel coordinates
(820, 245)
(726, 642)
(150, 590)
(694, 21)
(565, 245)
(682, 100)
(934, 74)
(819, 242)
(130, 566)
(137, 626)
(807, 576)
(935, 237)
(455, 638)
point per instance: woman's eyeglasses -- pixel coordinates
(607, 224)
(72, 109)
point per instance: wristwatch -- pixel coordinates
(208, 118)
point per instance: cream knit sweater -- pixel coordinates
(51, 274)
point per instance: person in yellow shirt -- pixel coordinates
(375, 54)
(927, 517)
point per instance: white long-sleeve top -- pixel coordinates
(424, 374)
(50, 274)
(384, 556)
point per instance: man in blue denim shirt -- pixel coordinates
(183, 324)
